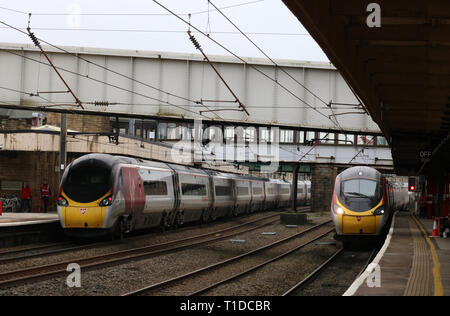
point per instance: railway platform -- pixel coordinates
(26, 228)
(410, 263)
(20, 219)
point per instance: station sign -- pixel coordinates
(425, 155)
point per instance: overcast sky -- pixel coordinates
(283, 35)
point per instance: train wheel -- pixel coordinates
(117, 233)
(206, 215)
(164, 224)
(178, 220)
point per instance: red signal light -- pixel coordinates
(412, 188)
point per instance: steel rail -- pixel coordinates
(168, 282)
(32, 273)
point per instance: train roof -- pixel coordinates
(360, 171)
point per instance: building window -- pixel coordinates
(173, 132)
(326, 138)
(365, 140)
(300, 137)
(381, 141)
(250, 134)
(162, 131)
(286, 136)
(264, 135)
(229, 134)
(345, 139)
(310, 137)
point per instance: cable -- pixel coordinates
(241, 59)
(13, 10)
(157, 31)
(128, 14)
(31, 94)
(109, 84)
(267, 56)
(103, 67)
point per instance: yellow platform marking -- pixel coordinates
(438, 289)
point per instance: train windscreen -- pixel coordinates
(360, 195)
(87, 183)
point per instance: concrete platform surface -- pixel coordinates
(21, 219)
(410, 263)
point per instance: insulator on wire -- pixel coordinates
(34, 39)
(194, 41)
(101, 103)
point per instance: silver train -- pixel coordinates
(104, 194)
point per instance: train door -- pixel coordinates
(132, 188)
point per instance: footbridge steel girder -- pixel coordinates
(168, 85)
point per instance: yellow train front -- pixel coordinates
(88, 206)
(360, 205)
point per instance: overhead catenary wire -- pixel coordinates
(128, 14)
(113, 30)
(38, 44)
(109, 84)
(315, 108)
(335, 121)
(113, 71)
(241, 59)
(31, 94)
(265, 54)
(104, 67)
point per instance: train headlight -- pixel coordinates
(107, 201)
(379, 211)
(62, 202)
(338, 210)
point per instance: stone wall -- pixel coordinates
(81, 123)
(30, 167)
(322, 185)
(15, 124)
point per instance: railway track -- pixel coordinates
(26, 275)
(182, 285)
(335, 275)
(64, 247)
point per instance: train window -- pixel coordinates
(87, 182)
(360, 188)
(89, 176)
(300, 190)
(193, 189)
(242, 191)
(285, 190)
(223, 190)
(155, 188)
(309, 190)
(272, 190)
(257, 191)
